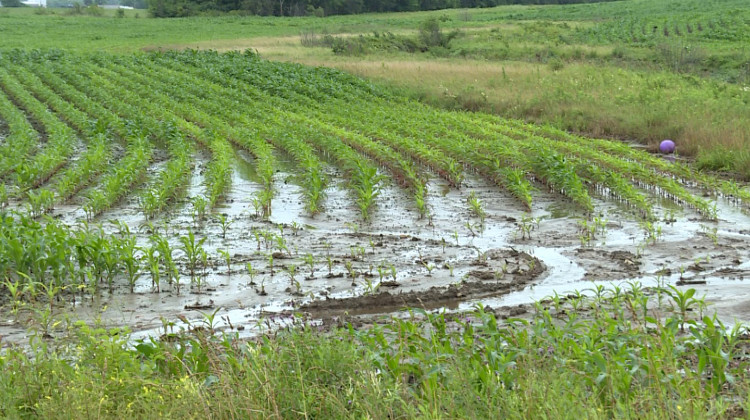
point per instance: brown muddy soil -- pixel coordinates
(490, 280)
(399, 260)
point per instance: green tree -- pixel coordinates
(11, 3)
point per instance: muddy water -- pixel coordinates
(417, 260)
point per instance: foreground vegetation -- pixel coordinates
(622, 352)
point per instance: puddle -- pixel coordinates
(415, 258)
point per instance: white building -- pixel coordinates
(35, 3)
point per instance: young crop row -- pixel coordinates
(387, 130)
(364, 185)
(130, 169)
(61, 139)
(619, 173)
(175, 100)
(705, 26)
(297, 138)
(168, 185)
(22, 139)
(98, 151)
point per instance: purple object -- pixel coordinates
(666, 147)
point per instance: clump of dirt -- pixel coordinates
(609, 265)
(509, 270)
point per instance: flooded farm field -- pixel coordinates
(335, 266)
(175, 188)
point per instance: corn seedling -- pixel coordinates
(270, 263)
(224, 253)
(310, 261)
(350, 270)
(476, 208)
(329, 263)
(224, 223)
(192, 249)
(251, 272)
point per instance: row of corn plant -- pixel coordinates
(61, 139)
(130, 169)
(217, 174)
(121, 118)
(22, 137)
(629, 168)
(167, 187)
(505, 166)
(256, 114)
(419, 124)
(366, 185)
(98, 152)
(367, 191)
(239, 135)
(457, 150)
(48, 260)
(680, 171)
(225, 103)
(446, 167)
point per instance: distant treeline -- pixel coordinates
(177, 8)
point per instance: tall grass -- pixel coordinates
(700, 115)
(618, 353)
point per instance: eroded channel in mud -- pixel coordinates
(399, 260)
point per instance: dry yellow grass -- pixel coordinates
(584, 97)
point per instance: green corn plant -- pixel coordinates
(329, 263)
(251, 271)
(200, 280)
(475, 206)
(314, 185)
(366, 182)
(350, 269)
(224, 253)
(381, 272)
(370, 288)
(40, 202)
(296, 228)
(684, 301)
(112, 262)
(130, 261)
(16, 290)
(429, 267)
(310, 261)
(51, 292)
(167, 260)
(264, 198)
(291, 269)
(192, 249)
(152, 258)
(224, 223)
(200, 206)
(270, 263)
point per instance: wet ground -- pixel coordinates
(334, 264)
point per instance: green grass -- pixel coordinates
(597, 69)
(619, 353)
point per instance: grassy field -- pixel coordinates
(205, 196)
(594, 357)
(636, 70)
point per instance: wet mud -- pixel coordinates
(334, 265)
